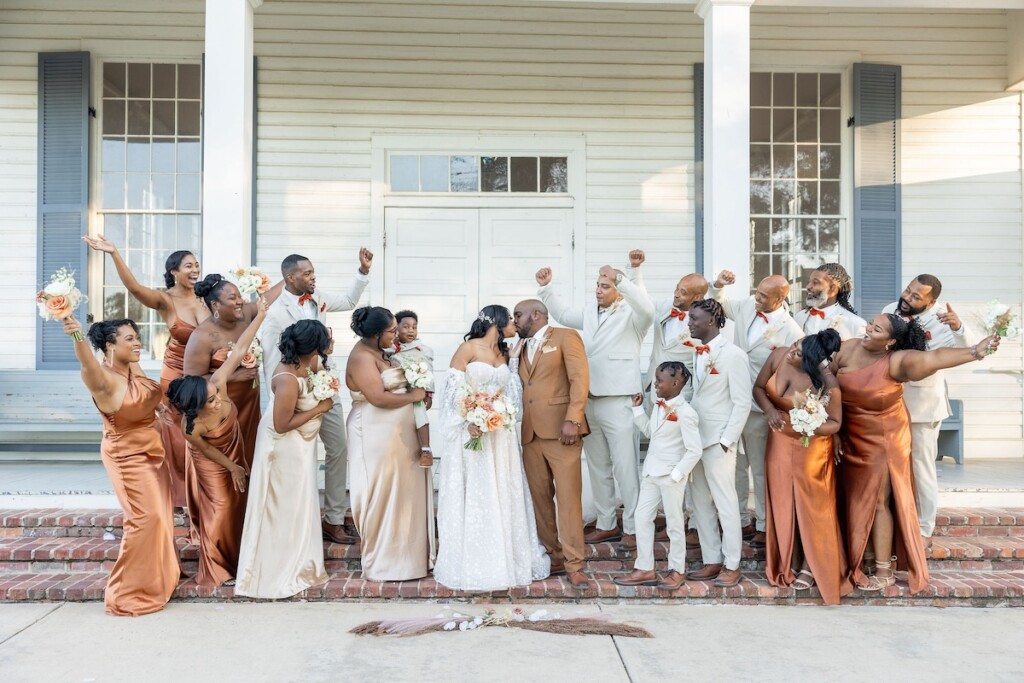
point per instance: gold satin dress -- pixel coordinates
(876, 439)
(146, 571)
(800, 502)
(174, 439)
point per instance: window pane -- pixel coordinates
(163, 118)
(113, 117)
(808, 239)
(761, 233)
(760, 197)
(783, 90)
(113, 303)
(493, 174)
(113, 190)
(189, 156)
(166, 234)
(189, 87)
(830, 90)
(783, 234)
(138, 117)
(829, 198)
(163, 81)
(405, 174)
(465, 174)
(188, 119)
(760, 267)
(138, 191)
(434, 173)
(760, 161)
(113, 229)
(807, 90)
(807, 161)
(163, 191)
(783, 197)
(189, 233)
(138, 80)
(760, 90)
(828, 235)
(830, 125)
(188, 192)
(807, 125)
(782, 125)
(112, 153)
(782, 166)
(760, 125)
(524, 174)
(114, 79)
(163, 155)
(138, 155)
(554, 174)
(807, 197)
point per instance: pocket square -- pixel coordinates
(714, 371)
(548, 349)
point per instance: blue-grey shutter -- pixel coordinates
(63, 188)
(255, 138)
(877, 206)
(698, 166)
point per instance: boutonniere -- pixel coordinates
(771, 331)
(836, 319)
(710, 366)
(928, 335)
(670, 412)
(548, 349)
(323, 307)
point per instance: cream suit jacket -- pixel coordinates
(927, 400)
(723, 400)
(674, 445)
(285, 312)
(848, 325)
(663, 349)
(613, 340)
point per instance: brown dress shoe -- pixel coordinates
(748, 532)
(579, 580)
(672, 581)
(557, 570)
(335, 533)
(759, 540)
(708, 571)
(628, 542)
(728, 577)
(637, 577)
(603, 536)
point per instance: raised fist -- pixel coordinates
(726, 277)
(636, 258)
(543, 277)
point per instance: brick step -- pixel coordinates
(947, 589)
(89, 553)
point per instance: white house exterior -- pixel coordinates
(364, 122)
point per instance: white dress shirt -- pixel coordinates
(760, 325)
(675, 327)
(308, 309)
(700, 361)
(534, 342)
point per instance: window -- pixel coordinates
(795, 162)
(151, 179)
(462, 173)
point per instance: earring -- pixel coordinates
(216, 314)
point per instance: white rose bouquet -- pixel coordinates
(998, 318)
(325, 383)
(808, 413)
(488, 412)
(251, 280)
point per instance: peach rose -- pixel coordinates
(494, 422)
(264, 284)
(335, 385)
(249, 360)
(58, 307)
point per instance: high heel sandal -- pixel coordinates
(883, 577)
(801, 583)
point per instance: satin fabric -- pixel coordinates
(246, 398)
(173, 438)
(800, 507)
(220, 508)
(146, 571)
(282, 547)
(876, 439)
(392, 496)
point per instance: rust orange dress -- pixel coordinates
(174, 439)
(246, 398)
(876, 439)
(146, 571)
(220, 508)
(800, 507)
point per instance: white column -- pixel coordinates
(227, 135)
(727, 138)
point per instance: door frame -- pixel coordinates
(571, 146)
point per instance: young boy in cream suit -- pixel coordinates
(674, 450)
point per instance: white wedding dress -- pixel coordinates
(487, 534)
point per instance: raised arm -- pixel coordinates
(220, 377)
(635, 293)
(270, 296)
(96, 380)
(150, 298)
(640, 419)
(363, 376)
(557, 306)
(910, 366)
(717, 292)
(350, 299)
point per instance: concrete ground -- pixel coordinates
(199, 642)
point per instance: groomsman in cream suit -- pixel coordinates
(613, 328)
(827, 296)
(300, 300)
(671, 333)
(926, 399)
(762, 325)
(722, 398)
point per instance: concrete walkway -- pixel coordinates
(195, 643)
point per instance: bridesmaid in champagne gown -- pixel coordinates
(181, 310)
(282, 548)
(392, 496)
(146, 571)
(877, 476)
(803, 544)
(215, 339)
(215, 463)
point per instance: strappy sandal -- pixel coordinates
(801, 583)
(883, 578)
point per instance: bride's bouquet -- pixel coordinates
(325, 383)
(999, 319)
(808, 413)
(253, 357)
(488, 412)
(251, 280)
(60, 298)
(418, 373)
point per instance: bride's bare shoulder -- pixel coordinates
(463, 356)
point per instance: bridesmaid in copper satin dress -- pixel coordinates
(211, 342)
(146, 571)
(181, 310)
(877, 477)
(804, 545)
(215, 462)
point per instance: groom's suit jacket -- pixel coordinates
(555, 385)
(285, 312)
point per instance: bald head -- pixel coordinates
(771, 293)
(692, 287)
(529, 316)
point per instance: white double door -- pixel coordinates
(447, 264)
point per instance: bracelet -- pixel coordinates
(425, 449)
(975, 354)
(578, 424)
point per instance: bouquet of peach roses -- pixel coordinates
(253, 357)
(60, 298)
(325, 383)
(251, 280)
(488, 412)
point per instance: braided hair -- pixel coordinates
(842, 278)
(713, 309)
(208, 289)
(173, 262)
(490, 316)
(673, 368)
(818, 348)
(908, 334)
(188, 394)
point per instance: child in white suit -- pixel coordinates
(409, 348)
(674, 450)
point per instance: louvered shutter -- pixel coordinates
(698, 166)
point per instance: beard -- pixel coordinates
(904, 308)
(816, 300)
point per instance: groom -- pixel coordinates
(556, 378)
(301, 301)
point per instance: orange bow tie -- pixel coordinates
(662, 404)
(702, 349)
(818, 312)
(762, 316)
(676, 313)
(304, 298)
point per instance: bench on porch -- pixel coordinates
(43, 410)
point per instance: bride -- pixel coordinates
(487, 536)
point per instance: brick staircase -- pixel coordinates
(976, 559)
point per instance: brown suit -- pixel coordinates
(555, 389)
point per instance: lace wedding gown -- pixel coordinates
(487, 534)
